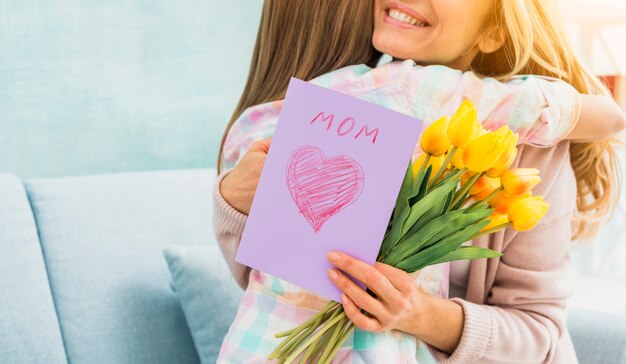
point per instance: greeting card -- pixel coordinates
(330, 182)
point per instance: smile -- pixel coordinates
(405, 18)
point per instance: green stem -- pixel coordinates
(493, 229)
(295, 342)
(312, 339)
(466, 187)
(442, 168)
(420, 172)
(293, 333)
(329, 306)
(423, 166)
(340, 342)
(299, 339)
(486, 199)
(315, 351)
(333, 338)
(309, 352)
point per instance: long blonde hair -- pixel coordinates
(535, 43)
(304, 39)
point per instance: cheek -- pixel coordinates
(461, 20)
(397, 45)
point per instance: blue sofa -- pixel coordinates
(83, 278)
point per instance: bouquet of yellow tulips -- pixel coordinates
(459, 189)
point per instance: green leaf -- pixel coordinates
(460, 202)
(400, 212)
(452, 175)
(435, 230)
(439, 249)
(410, 244)
(466, 219)
(421, 192)
(468, 252)
(393, 236)
(448, 201)
(430, 206)
(405, 191)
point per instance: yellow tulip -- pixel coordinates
(518, 181)
(495, 220)
(464, 125)
(496, 172)
(508, 155)
(435, 138)
(527, 213)
(502, 202)
(482, 153)
(466, 176)
(435, 162)
(484, 187)
(457, 159)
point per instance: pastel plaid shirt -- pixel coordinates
(542, 110)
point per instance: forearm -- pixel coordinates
(439, 323)
(600, 118)
(228, 225)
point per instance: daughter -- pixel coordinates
(542, 110)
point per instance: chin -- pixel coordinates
(394, 45)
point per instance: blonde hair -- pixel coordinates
(304, 39)
(535, 43)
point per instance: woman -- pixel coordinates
(524, 292)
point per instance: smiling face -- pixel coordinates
(445, 32)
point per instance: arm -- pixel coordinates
(228, 224)
(232, 198)
(542, 110)
(600, 118)
(245, 150)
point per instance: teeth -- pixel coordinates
(405, 18)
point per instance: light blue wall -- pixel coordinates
(90, 86)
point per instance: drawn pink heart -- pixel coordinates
(322, 187)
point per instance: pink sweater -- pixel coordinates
(515, 305)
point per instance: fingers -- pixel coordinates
(357, 317)
(399, 278)
(396, 293)
(365, 273)
(262, 146)
(357, 294)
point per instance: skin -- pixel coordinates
(400, 304)
(450, 38)
(453, 39)
(239, 185)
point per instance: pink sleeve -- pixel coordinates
(228, 224)
(524, 317)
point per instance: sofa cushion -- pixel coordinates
(29, 328)
(599, 337)
(103, 238)
(208, 295)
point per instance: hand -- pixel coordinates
(399, 303)
(239, 185)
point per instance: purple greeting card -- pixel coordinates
(330, 182)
